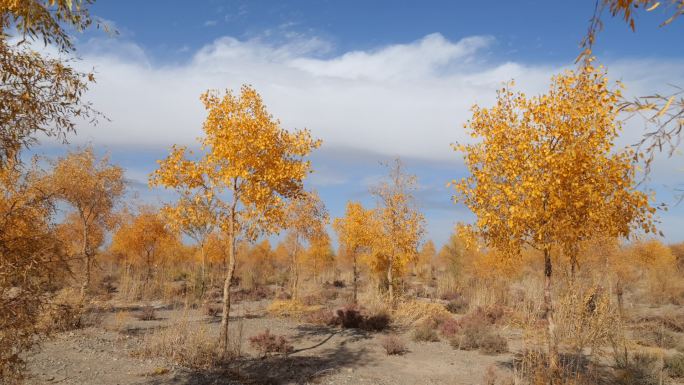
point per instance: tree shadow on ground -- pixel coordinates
(275, 370)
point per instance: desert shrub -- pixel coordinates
(266, 343)
(675, 365)
(146, 313)
(531, 367)
(212, 310)
(425, 332)
(673, 322)
(377, 322)
(354, 317)
(349, 316)
(449, 327)
(642, 369)
(655, 334)
(329, 294)
(63, 312)
(472, 333)
(493, 343)
(107, 284)
(320, 317)
(457, 306)
(187, 345)
(393, 345)
(256, 293)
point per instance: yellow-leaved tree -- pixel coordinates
(248, 164)
(397, 226)
(40, 95)
(142, 239)
(355, 237)
(92, 187)
(319, 255)
(195, 215)
(544, 173)
(306, 221)
(30, 252)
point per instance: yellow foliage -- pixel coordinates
(396, 226)
(143, 240)
(545, 174)
(247, 168)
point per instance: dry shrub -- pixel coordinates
(146, 313)
(480, 337)
(587, 318)
(313, 299)
(329, 294)
(655, 334)
(492, 377)
(457, 306)
(457, 303)
(475, 331)
(425, 332)
(377, 322)
(187, 345)
(290, 308)
(671, 321)
(266, 343)
(257, 293)
(354, 317)
(411, 312)
(449, 327)
(675, 365)
(393, 345)
(63, 312)
(212, 310)
(320, 317)
(349, 317)
(641, 369)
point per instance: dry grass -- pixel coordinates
(411, 312)
(187, 344)
(291, 308)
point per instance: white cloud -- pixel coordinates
(404, 99)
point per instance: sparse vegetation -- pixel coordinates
(266, 343)
(393, 345)
(560, 273)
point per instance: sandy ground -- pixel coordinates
(102, 354)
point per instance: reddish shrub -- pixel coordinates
(266, 343)
(376, 322)
(393, 345)
(349, 316)
(449, 327)
(320, 317)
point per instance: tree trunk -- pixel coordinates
(548, 312)
(225, 314)
(148, 255)
(295, 271)
(86, 279)
(619, 291)
(203, 273)
(390, 286)
(354, 280)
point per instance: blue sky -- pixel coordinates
(373, 79)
